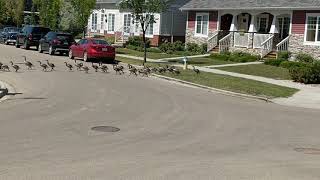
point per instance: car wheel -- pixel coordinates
(26, 46)
(85, 56)
(6, 43)
(71, 54)
(51, 50)
(40, 49)
(17, 45)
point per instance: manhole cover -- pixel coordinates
(105, 129)
(308, 150)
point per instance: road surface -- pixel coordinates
(167, 131)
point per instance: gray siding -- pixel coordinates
(179, 23)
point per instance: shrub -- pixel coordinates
(242, 57)
(193, 47)
(137, 41)
(222, 56)
(290, 64)
(308, 74)
(178, 46)
(273, 62)
(110, 39)
(285, 55)
(203, 48)
(154, 50)
(165, 47)
(306, 58)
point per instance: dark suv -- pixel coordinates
(30, 36)
(56, 42)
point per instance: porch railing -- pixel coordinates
(267, 46)
(283, 45)
(122, 34)
(212, 42)
(224, 43)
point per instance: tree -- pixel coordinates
(49, 12)
(143, 12)
(83, 9)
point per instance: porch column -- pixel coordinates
(274, 29)
(233, 27)
(252, 30)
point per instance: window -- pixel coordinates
(102, 21)
(94, 21)
(312, 32)
(202, 24)
(111, 18)
(263, 24)
(150, 27)
(126, 23)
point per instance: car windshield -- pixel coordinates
(99, 41)
(40, 30)
(67, 37)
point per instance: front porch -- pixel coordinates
(259, 33)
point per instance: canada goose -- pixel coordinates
(95, 67)
(27, 63)
(5, 68)
(78, 65)
(162, 69)
(86, 69)
(176, 71)
(143, 71)
(69, 66)
(118, 69)
(14, 66)
(51, 65)
(104, 68)
(196, 70)
(133, 70)
(44, 66)
(130, 66)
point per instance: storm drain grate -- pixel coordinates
(105, 129)
(308, 150)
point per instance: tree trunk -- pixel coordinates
(84, 32)
(144, 47)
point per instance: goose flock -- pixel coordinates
(47, 66)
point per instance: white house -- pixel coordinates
(109, 21)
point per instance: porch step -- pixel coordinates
(215, 50)
(271, 55)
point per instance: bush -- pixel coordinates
(165, 47)
(274, 62)
(137, 41)
(136, 48)
(193, 47)
(154, 50)
(110, 39)
(242, 57)
(221, 56)
(203, 48)
(178, 46)
(290, 64)
(308, 74)
(305, 58)
(285, 55)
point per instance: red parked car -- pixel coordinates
(90, 48)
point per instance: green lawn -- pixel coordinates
(150, 55)
(235, 84)
(260, 70)
(203, 61)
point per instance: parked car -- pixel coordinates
(9, 38)
(90, 48)
(30, 36)
(6, 34)
(56, 42)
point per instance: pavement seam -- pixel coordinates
(220, 91)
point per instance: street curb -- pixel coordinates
(220, 91)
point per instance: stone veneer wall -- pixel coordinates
(296, 46)
(191, 38)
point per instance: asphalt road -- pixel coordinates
(167, 131)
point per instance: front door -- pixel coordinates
(243, 22)
(126, 23)
(284, 26)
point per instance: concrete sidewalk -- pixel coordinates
(235, 64)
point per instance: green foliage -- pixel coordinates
(290, 64)
(274, 62)
(285, 55)
(11, 12)
(82, 11)
(2, 12)
(138, 41)
(110, 39)
(235, 57)
(49, 12)
(308, 74)
(305, 58)
(178, 46)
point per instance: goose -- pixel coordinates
(44, 66)
(104, 68)
(133, 70)
(143, 72)
(14, 66)
(95, 67)
(118, 69)
(5, 68)
(86, 69)
(51, 65)
(176, 71)
(196, 70)
(130, 66)
(27, 63)
(1, 65)
(69, 66)
(78, 65)
(162, 69)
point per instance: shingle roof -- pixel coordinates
(251, 4)
(174, 4)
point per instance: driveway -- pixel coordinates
(167, 131)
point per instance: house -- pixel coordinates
(261, 27)
(109, 21)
